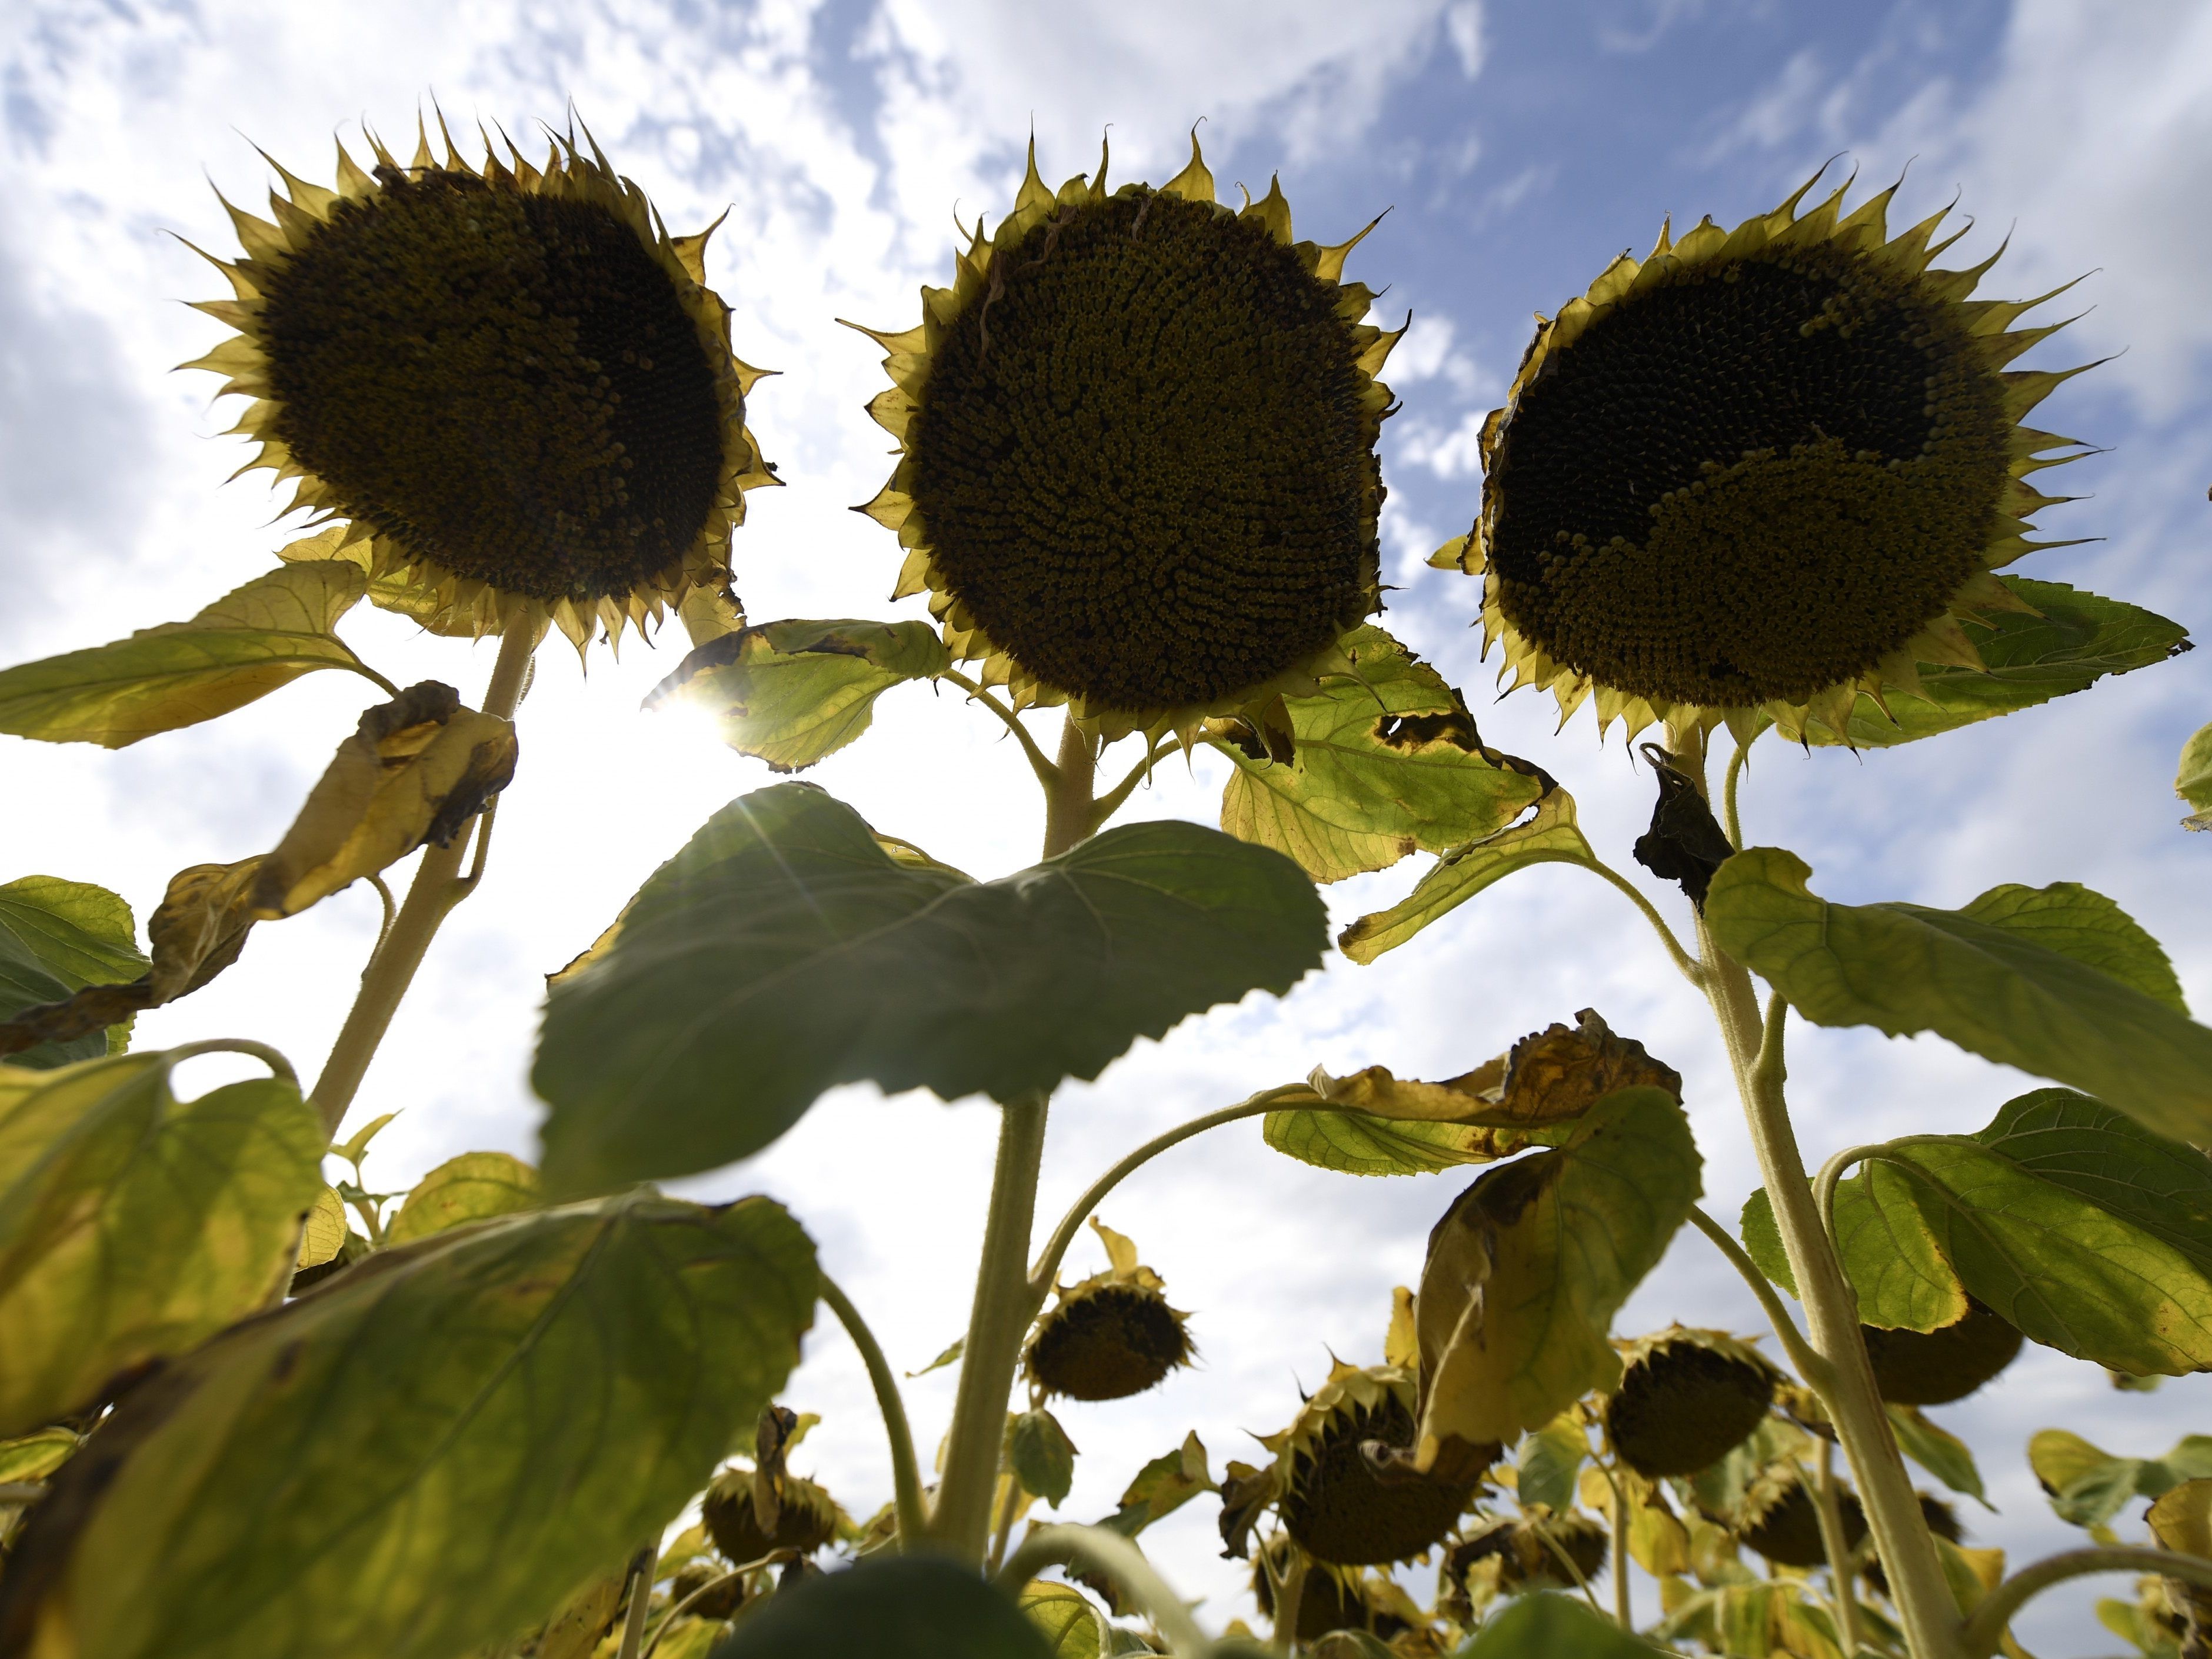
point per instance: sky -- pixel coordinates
(1520, 145)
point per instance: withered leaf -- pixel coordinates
(417, 770)
(1551, 1076)
(1685, 843)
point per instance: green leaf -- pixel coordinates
(2079, 638)
(2192, 780)
(1354, 1143)
(1549, 836)
(1938, 1451)
(901, 1607)
(134, 1225)
(427, 1453)
(1550, 1462)
(783, 951)
(1548, 1626)
(56, 938)
(2088, 1233)
(791, 692)
(1388, 761)
(244, 646)
(1528, 1267)
(470, 1187)
(1042, 1455)
(1064, 1616)
(1762, 1241)
(35, 1457)
(357, 1149)
(1987, 977)
(1163, 1486)
(950, 1352)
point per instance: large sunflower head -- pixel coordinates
(1111, 1336)
(1138, 471)
(1764, 469)
(509, 382)
(1685, 1398)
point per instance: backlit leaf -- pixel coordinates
(2083, 1230)
(2021, 977)
(1163, 1486)
(1042, 1455)
(244, 646)
(1355, 1143)
(2192, 779)
(1549, 836)
(470, 1188)
(56, 938)
(1528, 1267)
(791, 692)
(889, 1607)
(427, 1453)
(1066, 1619)
(2079, 638)
(324, 1233)
(1387, 762)
(783, 951)
(133, 1226)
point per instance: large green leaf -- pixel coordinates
(133, 1225)
(2089, 1234)
(56, 938)
(1388, 762)
(2078, 639)
(792, 692)
(784, 951)
(897, 1607)
(1549, 836)
(2050, 980)
(1528, 1267)
(244, 646)
(1546, 1626)
(428, 1453)
(470, 1188)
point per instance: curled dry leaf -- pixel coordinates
(417, 770)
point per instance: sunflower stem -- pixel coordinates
(1845, 1379)
(1623, 1610)
(640, 1601)
(1733, 818)
(1985, 1630)
(438, 886)
(906, 1476)
(1095, 1549)
(1810, 1365)
(1829, 1510)
(1069, 804)
(1685, 964)
(1047, 772)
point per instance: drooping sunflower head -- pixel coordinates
(802, 1518)
(1342, 1504)
(1934, 1368)
(1768, 469)
(1533, 1553)
(1111, 1336)
(1781, 1519)
(1138, 471)
(509, 382)
(1686, 1398)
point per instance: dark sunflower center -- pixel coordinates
(1117, 1340)
(1683, 1407)
(1142, 458)
(1338, 1509)
(1754, 481)
(1934, 1368)
(505, 383)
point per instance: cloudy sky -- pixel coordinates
(1521, 146)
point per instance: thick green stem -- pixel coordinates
(906, 1475)
(1094, 1549)
(1068, 803)
(1985, 1630)
(438, 886)
(1829, 1510)
(997, 1323)
(1923, 1597)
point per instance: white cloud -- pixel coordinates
(1464, 28)
(1451, 452)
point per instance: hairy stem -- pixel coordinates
(1846, 1386)
(1985, 1629)
(1049, 1260)
(997, 1321)
(1828, 1509)
(1094, 1549)
(1732, 819)
(1068, 803)
(1824, 1184)
(906, 1477)
(437, 888)
(1810, 1365)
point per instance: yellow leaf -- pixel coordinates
(324, 1233)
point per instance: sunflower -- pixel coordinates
(510, 383)
(1763, 470)
(1111, 1336)
(1934, 1368)
(1685, 1398)
(1138, 472)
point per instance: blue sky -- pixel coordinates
(1519, 147)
